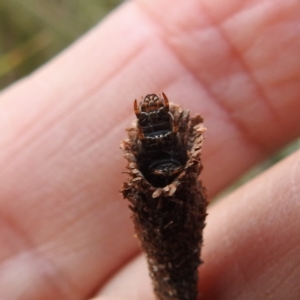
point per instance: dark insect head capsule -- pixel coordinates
(161, 154)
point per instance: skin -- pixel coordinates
(65, 233)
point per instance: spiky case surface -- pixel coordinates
(169, 220)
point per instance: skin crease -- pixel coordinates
(65, 233)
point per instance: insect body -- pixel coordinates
(161, 155)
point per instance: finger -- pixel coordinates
(251, 244)
(256, 241)
(241, 114)
(135, 277)
(61, 128)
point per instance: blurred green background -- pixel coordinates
(33, 31)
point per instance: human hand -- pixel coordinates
(66, 233)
